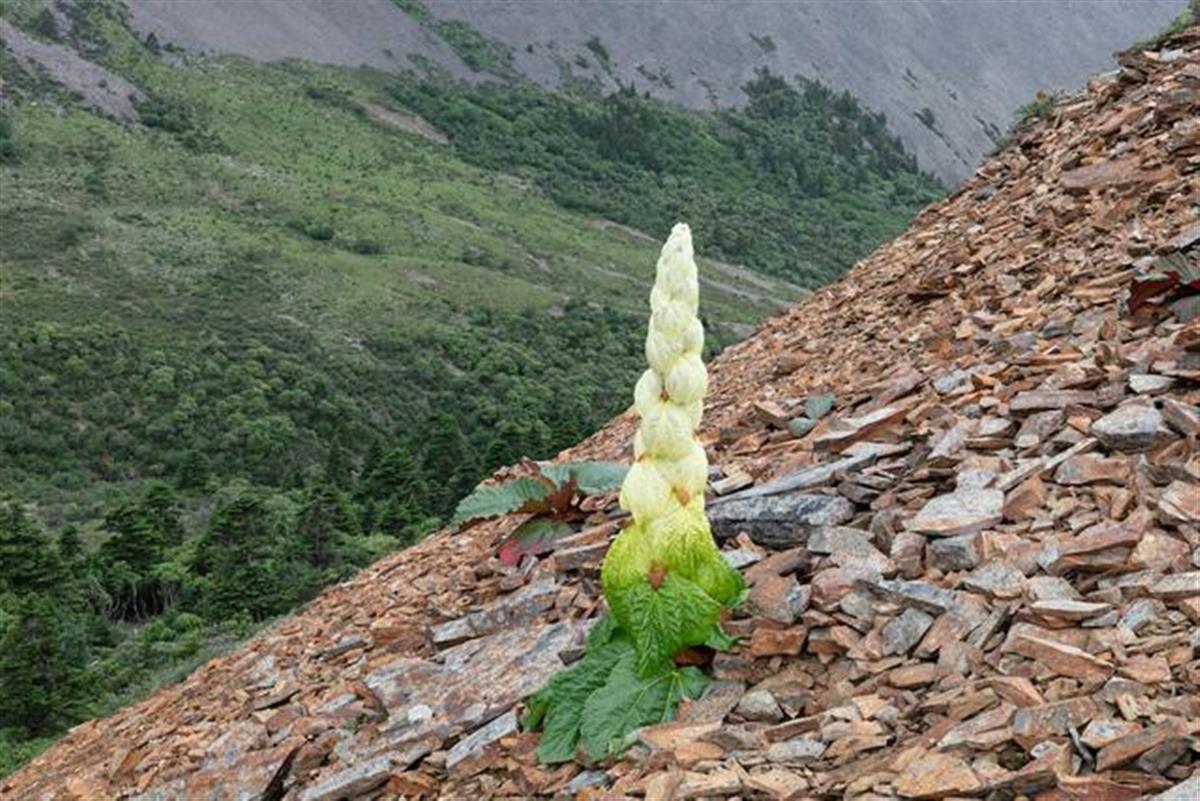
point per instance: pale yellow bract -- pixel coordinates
(669, 541)
(670, 467)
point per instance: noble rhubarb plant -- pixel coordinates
(664, 578)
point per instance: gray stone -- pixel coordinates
(1131, 428)
(959, 512)
(1149, 384)
(994, 427)
(956, 382)
(919, 594)
(809, 477)
(580, 557)
(781, 521)
(1050, 588)
(741, 557)
(586, 779)
(849, 548)
(351, 783)
(520, 607)
(759, 705)
(780, 598)
(470, 683)
(975, 479)
(1141, 613)
(452, 631)
(860, 606)
(1178, 586)
(344, 645)
(1104, 621)
(523, 606)
(905, 631)
(1071, 610)
(718, 700)
(997, 579)
(955, 553)
(1038, 428)
(801, 749)
(474, 743)
(908, 554)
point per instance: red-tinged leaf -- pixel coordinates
(559, 500)
(532, 538)
(1144, 290)
(1174, 276)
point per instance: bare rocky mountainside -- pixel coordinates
(976, 575)
(947, 75)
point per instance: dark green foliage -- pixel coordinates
(181, 117)
(237, 562)
(765, 42)
(592, 708)
(414, 8)
(326, 518)
(1040, 108)
(8, 143)
(363, 247)
(27, 559)
(800, 183)
(594, 44)
(45, 25)
(479, 52)
(43, 653)
(1182, 21)
(140, 536)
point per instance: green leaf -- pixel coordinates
(818, 406)
(558, 707)
(500, 499)
(719, 640)
(603, 631)
(535, 536)
(666, 620)
(629, 700)
(799, 426)
(591, 478)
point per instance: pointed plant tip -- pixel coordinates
(680, 238)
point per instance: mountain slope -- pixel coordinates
(1040, 634)
(266, 322)
(948, 76)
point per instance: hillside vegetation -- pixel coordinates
(275, 326)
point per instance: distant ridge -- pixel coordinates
(947, 75)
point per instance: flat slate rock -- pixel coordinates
(779, 521)
(962, 512)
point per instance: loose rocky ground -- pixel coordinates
(978, 575)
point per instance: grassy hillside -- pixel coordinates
(278, 324)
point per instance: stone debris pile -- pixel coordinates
(975, 573)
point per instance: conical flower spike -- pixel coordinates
(664, 579)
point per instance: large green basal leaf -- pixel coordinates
(518, 494)
(630, 700)
(591, 478)
(558, 707)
